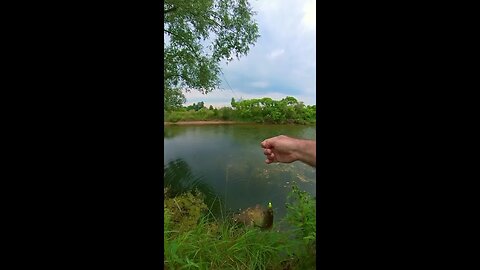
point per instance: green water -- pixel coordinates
(229, 161)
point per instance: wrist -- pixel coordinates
(299, 152)
(306, 152)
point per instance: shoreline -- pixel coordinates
(201, 122)
(219, 122)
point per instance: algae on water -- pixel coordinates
(185, 210)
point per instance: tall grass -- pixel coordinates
(223, 247)
(227, 114)
(221, 244)
(200, 115)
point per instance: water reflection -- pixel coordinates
(231, 162)
(178, 178)
(172, 132)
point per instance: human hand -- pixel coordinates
(280, 149)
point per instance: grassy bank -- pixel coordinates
(228, 114)
(223, 114)
(207, 122)
(194, 238)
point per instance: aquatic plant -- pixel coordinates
(225, 245)
(185, 210)
(179, 179)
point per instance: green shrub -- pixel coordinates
(220, 244)
(174, 116)
(265, 110)
(301, 214)
(225, 113)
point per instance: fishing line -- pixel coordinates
(225, 78)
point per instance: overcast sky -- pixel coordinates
(282, 62)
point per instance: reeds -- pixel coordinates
(221, 244)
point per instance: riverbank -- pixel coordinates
(194, 237)
(218, 122)
(201, 122)
(281, 114)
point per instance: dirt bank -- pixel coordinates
(200, 122)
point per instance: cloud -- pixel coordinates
(276, 53)
(260, 84)
(222, 98)
(282, 62)
(309, 19)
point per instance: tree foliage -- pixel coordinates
(200, 34)
(173, 99)
(196, 106)
(287, 110)
(263, 110)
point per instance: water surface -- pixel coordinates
(229, 160)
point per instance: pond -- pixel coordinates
(228, 160)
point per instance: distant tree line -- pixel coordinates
(264, 110)
(287, 110)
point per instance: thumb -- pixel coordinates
(264, 144)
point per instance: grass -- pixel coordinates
(221, 244)
(201, 115)
(227, 114)
(224, 247)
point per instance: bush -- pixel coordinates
(301, 213)
(173, 117)
(207, 243)
(225, 113)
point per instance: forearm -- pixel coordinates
(307, 152)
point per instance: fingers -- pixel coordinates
(268, 151)
(268, 143)
(270, 158)
(264, 144)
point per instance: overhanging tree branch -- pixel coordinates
(184, 41)
(172, 76)
(202, 33)
(169, 10)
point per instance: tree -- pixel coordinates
(196, 106)
(200, 34)
(173, 99)
(289, 101)
(200, 106)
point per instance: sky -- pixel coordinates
(280, 64)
